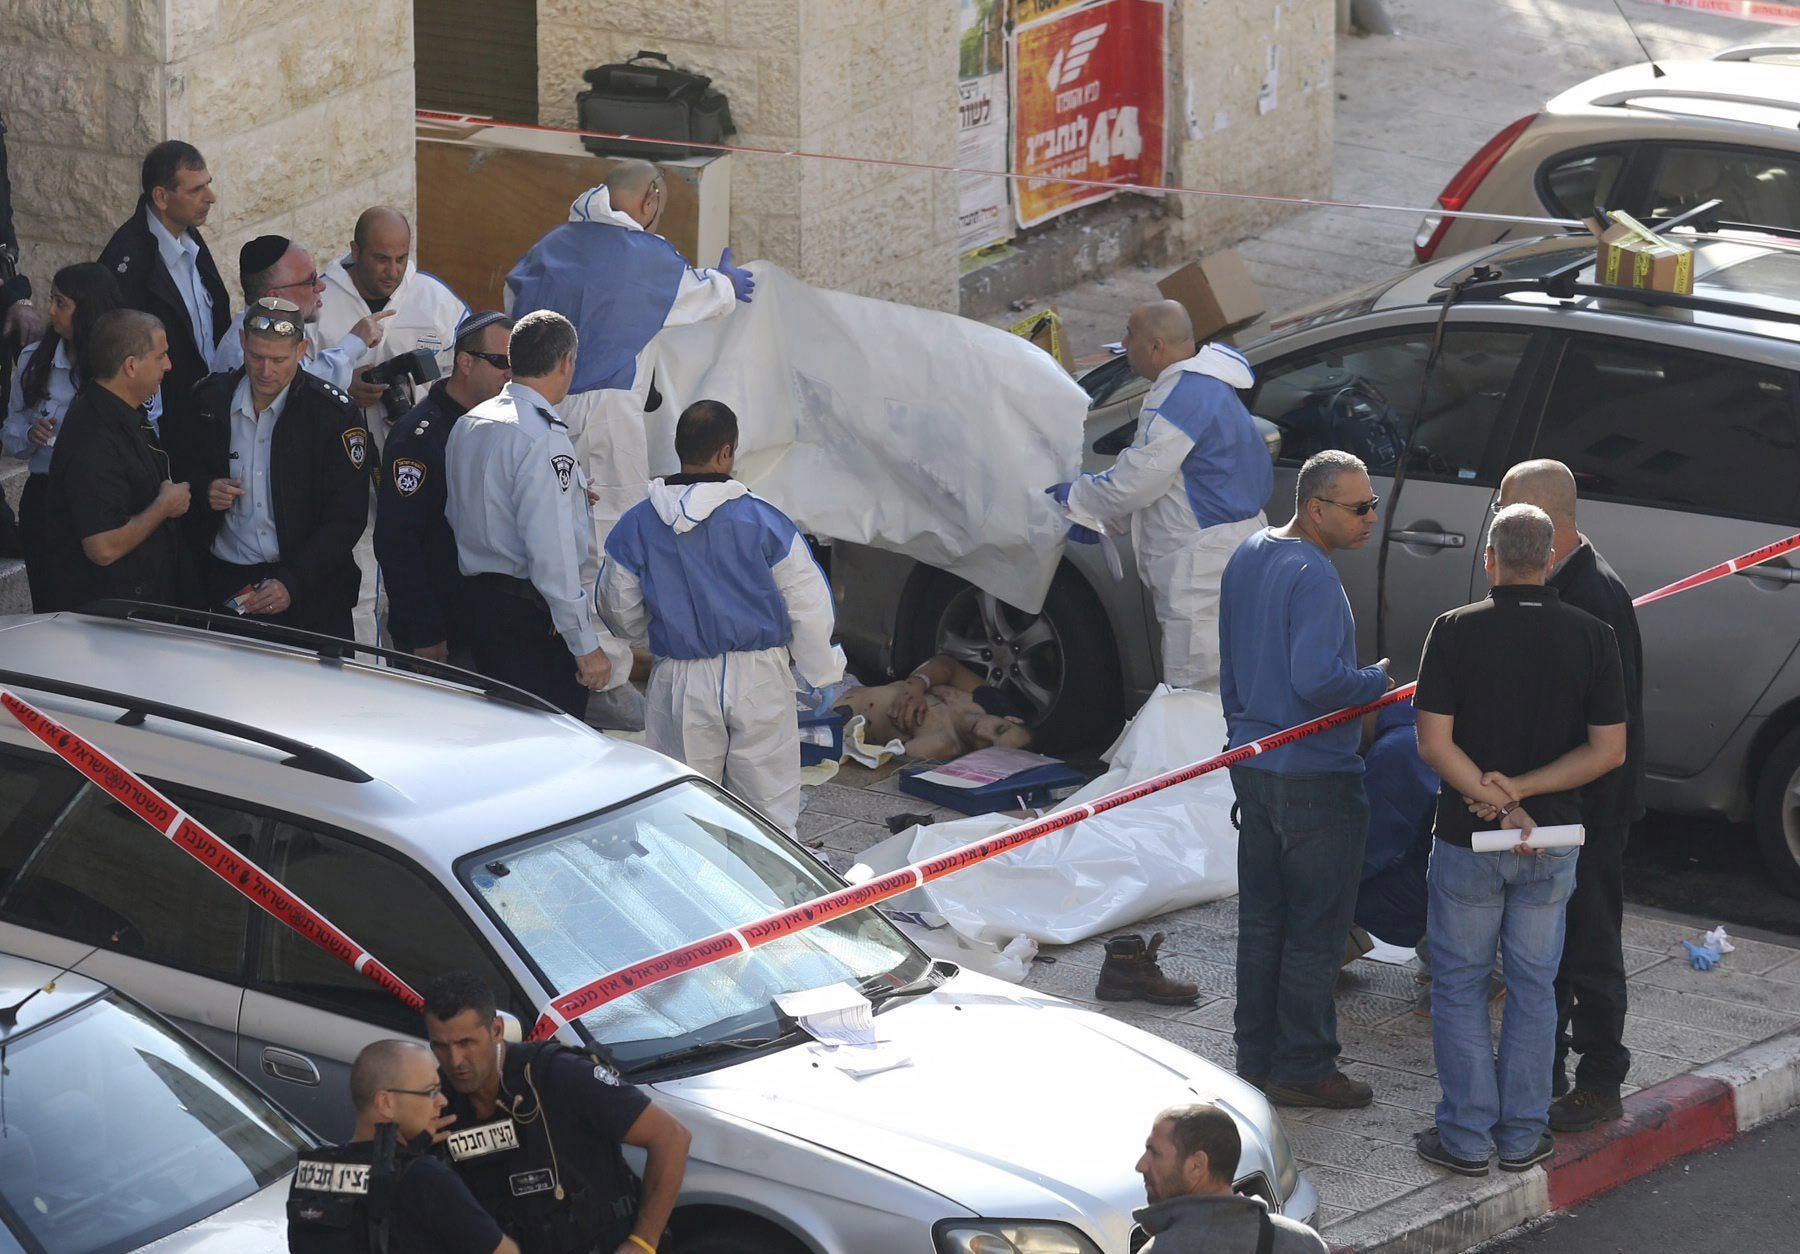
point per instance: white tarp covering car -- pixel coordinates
(902, 428)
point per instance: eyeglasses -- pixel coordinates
(1359, 508)
(311, 280)
(499, 361)
(434, 1092)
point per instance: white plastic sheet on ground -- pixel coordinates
(883, 424)
(1172, 849)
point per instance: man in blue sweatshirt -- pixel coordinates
(1287, 648)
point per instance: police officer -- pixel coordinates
(413, 541)
(538, 1129)
(379, 1194)
(518, 506)
(280, 459)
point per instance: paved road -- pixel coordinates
(1707, 868)
(1741, 1199)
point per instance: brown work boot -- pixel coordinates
(1131, 973)
(1336, 1091)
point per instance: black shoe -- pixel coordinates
(1545, 1147)
(1430, 1146)
(897, 823)
(1582, 1109)
(1131, 973)
(1559, 1081)
(1336, 1091)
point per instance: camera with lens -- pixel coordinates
(398, 375)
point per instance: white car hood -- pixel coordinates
(256, 1225)
(1014, 1104)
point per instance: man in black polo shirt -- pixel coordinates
(1520, 704)
(1590, 987)
(110, 508)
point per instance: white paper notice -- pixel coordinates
(837, 1014)
(1559, 837)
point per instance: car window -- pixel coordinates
(1656, 426)
(1574, 183)
(1758, 187)
(105, 878)
(118, 1131)
(33, 791)
(1360, 395)
(389, 907)
(679, 866)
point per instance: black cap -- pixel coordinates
(262, 252)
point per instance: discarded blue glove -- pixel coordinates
(1704, 957)
(1059, 492)
(1083, 535)
(742, 281)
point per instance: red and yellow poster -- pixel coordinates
(1089, 100)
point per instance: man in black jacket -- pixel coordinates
(110, 510)
(163, 265)
(413, 540)
(282, 460)
(1590, 986)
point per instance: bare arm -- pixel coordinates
(106, 547)
(665, 1142)
(1603, 751)
(1437, 745)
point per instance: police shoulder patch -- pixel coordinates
(356, 446)
(409, 475)
(607, 1075)
(564, 465)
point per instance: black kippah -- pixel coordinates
(261, 253)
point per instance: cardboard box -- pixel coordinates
(1630, 254)
(1045, 329)
(1217, 292)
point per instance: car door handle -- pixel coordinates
(286, 1065)
(1430, 539)
(1772, 573)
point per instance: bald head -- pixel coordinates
(629, 178)
(1547, 484)
(382, 220)
(1158, 335)
(385, 1066)
(379, 252)
(635, 188)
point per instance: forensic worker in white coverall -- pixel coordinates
(608, 272)
(1192, 484)
(723, 585)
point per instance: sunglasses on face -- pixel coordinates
(1359, 508)
(499, 361)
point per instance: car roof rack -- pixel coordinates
(1646, 97)
(301, 756)
(1751, 52)
(325, 648)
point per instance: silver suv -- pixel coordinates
(1678, 416)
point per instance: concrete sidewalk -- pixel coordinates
(1713, 1054)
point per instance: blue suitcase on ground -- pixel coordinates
(1028, 789)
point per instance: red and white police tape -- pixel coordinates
(190, 835)
(268, 893)
(748, 936)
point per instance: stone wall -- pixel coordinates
(858, 77)
(303, 111)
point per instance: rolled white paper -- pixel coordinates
(1559, 837)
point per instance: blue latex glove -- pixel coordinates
(1059, 492)
(742, 281)
(1704, 957)
(1083, 535)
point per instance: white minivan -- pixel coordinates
(445, 821)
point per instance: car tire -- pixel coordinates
(1062, 664)
(1777, 813)
(739, 1237)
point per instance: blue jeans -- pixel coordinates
(1300, 851)
(1479, 900)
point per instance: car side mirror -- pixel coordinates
(510, 1027)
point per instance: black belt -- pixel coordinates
(508, 585)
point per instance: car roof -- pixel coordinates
(20, 978)
(448, 769)
(1750, 93)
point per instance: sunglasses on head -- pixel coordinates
(263, 316)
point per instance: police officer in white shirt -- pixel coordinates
(518, 505)
(273, 265)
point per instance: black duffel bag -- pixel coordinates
(648, 96)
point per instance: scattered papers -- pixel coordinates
(1560, 836)
(837, 1014)
(858, 1062)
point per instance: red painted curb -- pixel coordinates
(1661, 1123)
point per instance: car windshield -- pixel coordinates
(673, 867)
(117, 1131)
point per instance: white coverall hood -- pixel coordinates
(686, 506)
(595, 205)
(1220, 361)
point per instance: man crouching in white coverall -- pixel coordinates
(606, 271)
(726, 590)
(1193, 484)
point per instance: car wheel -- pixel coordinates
(1777, 813)
(743, 1236)
(1061, 666)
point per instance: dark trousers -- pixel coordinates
(516, 643)
(225, 580)
(1300, 852)
(1590, 985)
(34, 540)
